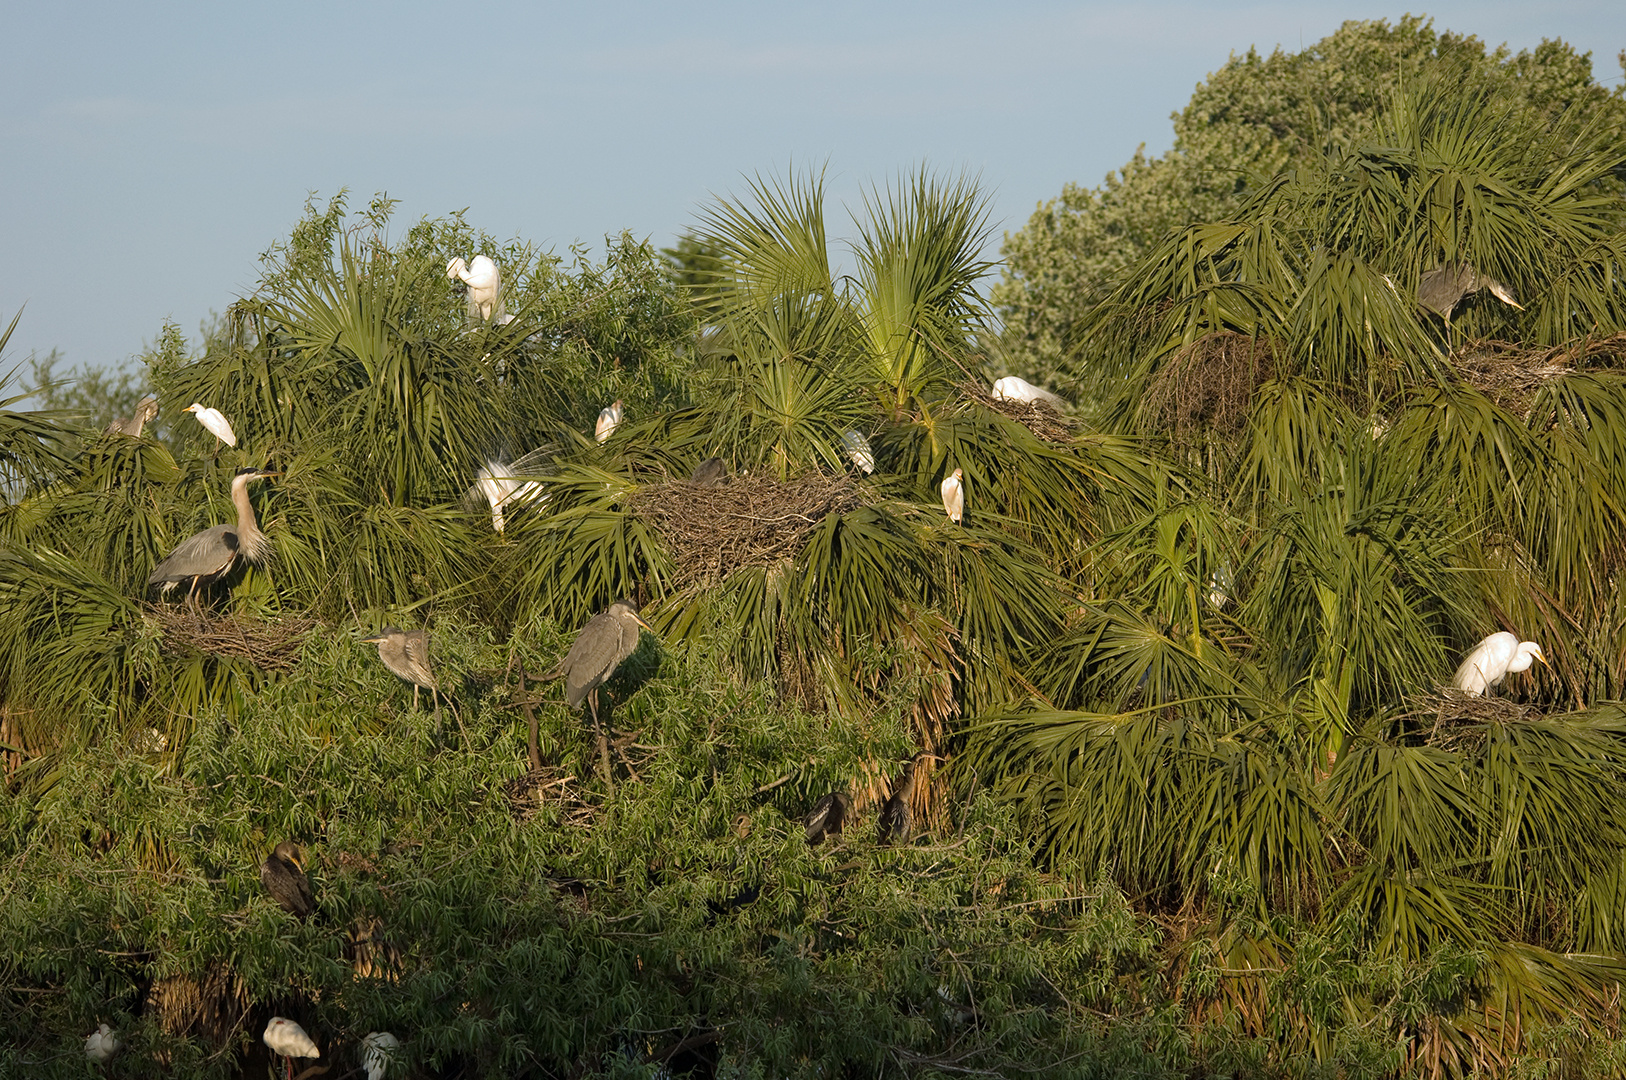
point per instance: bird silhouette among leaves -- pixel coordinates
(896, 823)
(283, 875)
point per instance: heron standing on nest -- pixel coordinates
(283, 875)
(608, 638)
(897, 819)
(209, 555)
(712, 472)
(1493, 660)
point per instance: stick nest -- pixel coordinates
(1456, 721)
(712, 532)
(269, 646)
(1510, 374)
(1039, 417)
(1208, 384)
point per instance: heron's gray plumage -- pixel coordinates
(608, 638)
(210, 554)
(145, 410)
(710, 473)
(897, 818)
(1442, 288)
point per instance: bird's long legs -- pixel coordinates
(601, 729)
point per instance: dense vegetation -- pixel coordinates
(1207, 810)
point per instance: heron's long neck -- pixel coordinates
(249, 537)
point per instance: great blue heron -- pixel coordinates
(1442, 288)
(858, 451)
(406, 652)
(711, 472)
(101, 1044)
(484, 280)
(209, 555)
(288, 1040)
(608, 638)
(283, 875)
(1493, 659)
(145, 410)
(378, 1050)
(826, 817)
(897, 818)
(953, 491)
(215, 422)
(1011, 388)
(609, 418)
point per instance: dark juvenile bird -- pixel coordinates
(826, 817)
(283, 875)
(210, 554)
(406, 652)
(608, 638)
(145, 410)
(1442, 288)
(897, 818)
(710, 473)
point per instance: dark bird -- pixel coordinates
(709, 473)
(406, 652)
(145, 410)
(608, 638)
(827, 817)
(283, 875)
(210, 554)
(897, 818)
(1442, 288)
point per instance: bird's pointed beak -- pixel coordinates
(643, 624)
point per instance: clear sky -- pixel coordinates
(150, 151)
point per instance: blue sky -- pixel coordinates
(149, 152)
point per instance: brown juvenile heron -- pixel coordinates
(709, 473)
(826, 817)
(210, 554)
(406, 652)
(608, 638)
(897, 819)
(145, 410)
(283, 875)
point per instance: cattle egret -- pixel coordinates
(101, 1044)
(608, 419)
(379, 1049)
(954, 495)
(215, 422)
(485, 288)
(858, 451)
(1493, 659)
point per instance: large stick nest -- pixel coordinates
(712, 532)
(1510, 374)
(1039, 417)
(1208, 384)
(1457, 721)
(269, 646)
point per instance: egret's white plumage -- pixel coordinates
(608, 420)
(101, 1044)
(1493, 660)
(954, 495)
(1011, 388)
(214, 421)
(378, 1050)
(859, 451)
(289, 1040)
(485, 287)
(496, 482)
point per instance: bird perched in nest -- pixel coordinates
(288, 1040)
(897, 818)
(101, 1044)
(484, 281)
(1493, 660)
(826, 817)
(608, 638)
(709, 473)
(1442, 288)
(283, 875)
(215, 421)
(145, 410)
(210, 554)
(1011, 388)
(953, 492)
(609, 418)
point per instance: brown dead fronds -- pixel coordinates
(210, 1006)
(268, 645)
(1208, 385)
(1511, 374)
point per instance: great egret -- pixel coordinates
(1493, 659)
(145, 410)
(711, 472)
(608, 638)
(288, 1040)
(1442, 288)
(283, 875)
(826, 817)
(499, 484)
(406, 652)
(379, 1050)
(215, 422)
(206, 556)
(953, 491)
(897, 817)
(485, 287)
(101, 1044)
(1011, 388)
(609, 418)
(859, 451)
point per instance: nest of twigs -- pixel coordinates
(1208, 384)
(1456, 721)
(269, 646)
(711, 532)
(1039, 417)
(1510, 374)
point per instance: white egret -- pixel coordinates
(1493, 659)
(496, 482)
(485, 287)
(1011, 388)
(859, 451)
(953, 491)
(288, 1040)
(608, 420)
(215, 422)
(101, 1044)
(379, 1050)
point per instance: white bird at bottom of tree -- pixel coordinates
(289, 1041)
(378, 1050)
(1494, 659)
(214, 421)
(859, 451)
(101, 1044)
(1011, 388)
(954, 495)
(609, 419)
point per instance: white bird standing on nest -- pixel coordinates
(859, 451)
(954, 495)
(1011, 388)
(379, 1049)
(215, 422)
(608, 420)
(101, 1044)
(1493, 660)
(485, 288)
(288, 1040)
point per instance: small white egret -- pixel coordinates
(1220, 583)
(859, 451)
(215, 422)
(379, 1050)
(608, 420)
(288, 1040)
(1493, 659)
(485, 287)
(101, 1044)
(953, 491)
(1011, 388)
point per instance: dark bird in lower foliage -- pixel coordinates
(210, 554)
(608, 638)
(1442, 288)
(897, 819)
(283, 875)
(709, 473)
(826, 817)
